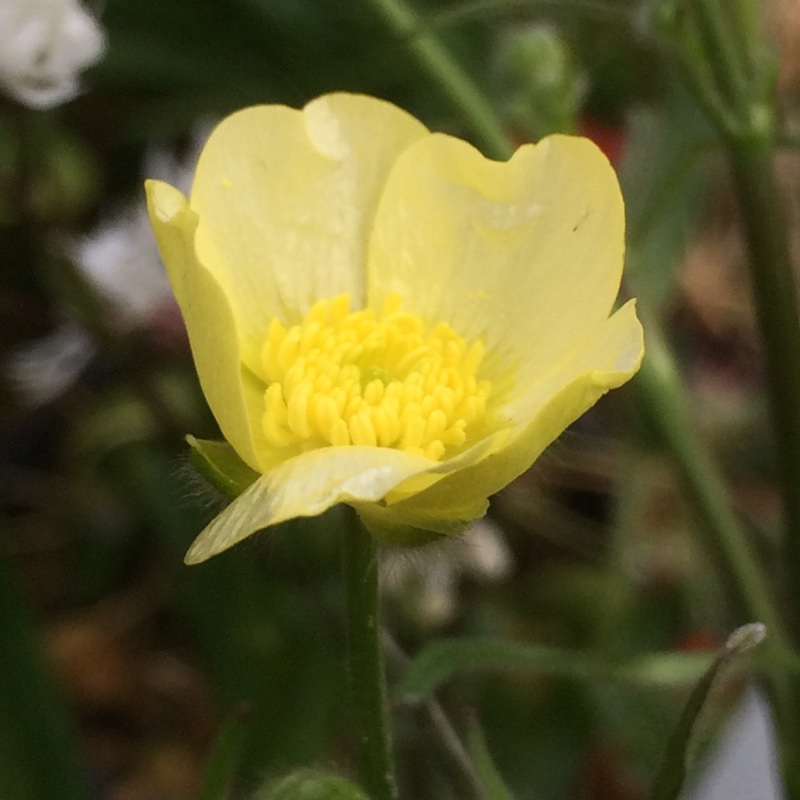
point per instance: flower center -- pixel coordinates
(342, 377)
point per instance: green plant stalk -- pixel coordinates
(448, 739)
(725, 537)
(723, 52)
(743, 577)
(436, 60)
(746, 584)
(365, 660)
(775, 295)
(740, 569)
(750, 144)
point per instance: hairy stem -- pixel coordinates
(365, 657)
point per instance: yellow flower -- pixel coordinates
(381, 316)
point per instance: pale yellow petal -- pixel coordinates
(286, 200)
(526, 254)
(539, 415)
(209, 321)
(306, 486)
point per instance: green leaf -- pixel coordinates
(218, 463)
(311, 785)
(226, 756)
(491, 779)
(443, 659)
(672, 775)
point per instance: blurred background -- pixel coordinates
(119, 664)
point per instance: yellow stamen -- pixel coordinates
(345, 377)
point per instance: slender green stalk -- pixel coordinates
(740, 569)
(457, 85)
(701, 84)
(750, 144)
(775, 294)
(746, 584)
(365, 654)
(738, 75)
(449, 742)
(744, 579)
(722, 51)
(725, 537)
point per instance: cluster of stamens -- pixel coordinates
(341, 378)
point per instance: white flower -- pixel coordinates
(44, 45)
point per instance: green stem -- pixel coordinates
(737, 563)
(365, 654)
(440, 65)
(448, 740)
(660, 390)
(775, 295)
(750, 143)
(700, 83)
(746, 584)
(722, 51)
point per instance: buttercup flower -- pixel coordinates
(381, 316)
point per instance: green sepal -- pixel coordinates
(218, 463)
(311, 785)
(384, 524)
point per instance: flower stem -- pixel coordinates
(440, 65)
(742, 575)
(365, 656)
(662, 396)
(750, 144)
(722, 49)
(742, 86)
(743, 578)
(775, 295)
(448, 740)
